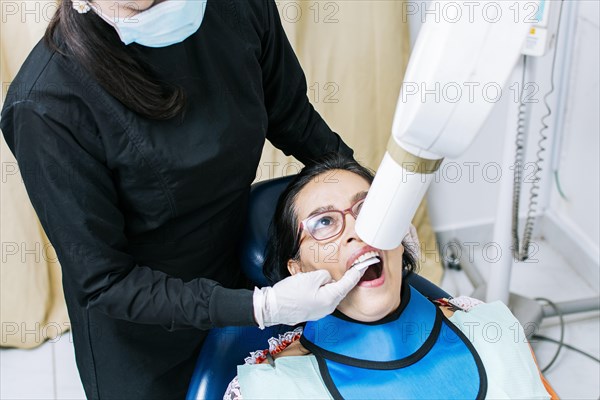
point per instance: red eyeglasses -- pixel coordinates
(328, 224)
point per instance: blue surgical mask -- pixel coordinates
(164, 24)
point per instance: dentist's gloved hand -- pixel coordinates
(306, 296)
(411, 242)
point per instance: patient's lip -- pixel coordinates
(359, 253)
(375, 282)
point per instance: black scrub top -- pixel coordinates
(145, 215)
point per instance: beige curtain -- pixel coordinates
(32, 306)
(354, 54)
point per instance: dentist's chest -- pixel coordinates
(209, 154)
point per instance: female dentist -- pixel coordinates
(138, 126)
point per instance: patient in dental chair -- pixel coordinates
(385, 340)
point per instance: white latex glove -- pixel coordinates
(411, 242)
(306, 296)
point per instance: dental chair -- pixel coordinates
(225, 348)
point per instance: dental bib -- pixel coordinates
(413, 353)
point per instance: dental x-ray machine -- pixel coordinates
(450, 55)
(438, 115)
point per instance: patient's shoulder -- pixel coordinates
(460, 303)
(283, 344)
(287, 344)
(294, 349)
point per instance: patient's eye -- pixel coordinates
(324, 225)
(358, 206)
(324, 221)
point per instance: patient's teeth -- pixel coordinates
(365, 264)
(364, 257)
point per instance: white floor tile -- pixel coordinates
(68, 383)
(456, 283)
(27, 374)
(553, 278)
(573, 375)
(549, 275)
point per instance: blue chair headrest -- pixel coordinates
(261, 206)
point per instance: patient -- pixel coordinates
(385, 340)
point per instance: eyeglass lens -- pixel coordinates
(330, 223)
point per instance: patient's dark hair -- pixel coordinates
(283, 243)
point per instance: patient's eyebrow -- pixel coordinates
(357, 196)
(320, 210)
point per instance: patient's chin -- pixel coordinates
(368, 317)
(369, 309)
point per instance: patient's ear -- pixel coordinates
(293, 267)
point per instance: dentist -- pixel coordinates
(138, 126)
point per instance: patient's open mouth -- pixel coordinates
(373, 272)
(371, 261)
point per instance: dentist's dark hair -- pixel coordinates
(119, 69)
(283, 242)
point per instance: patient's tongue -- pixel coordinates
(370, 274)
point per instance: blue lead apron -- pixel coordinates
(414, 352)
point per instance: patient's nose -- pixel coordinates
(350, 234)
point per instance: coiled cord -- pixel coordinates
(518, 166)
(521, 252)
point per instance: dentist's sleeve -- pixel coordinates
(295, 126)
(73, 194)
